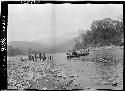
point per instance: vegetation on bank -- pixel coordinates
(104, 32)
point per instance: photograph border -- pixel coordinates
(4, 23)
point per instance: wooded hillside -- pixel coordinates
(104, 32)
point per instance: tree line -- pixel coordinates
(103, 32)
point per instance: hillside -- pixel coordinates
(26, 45)
(62, 47)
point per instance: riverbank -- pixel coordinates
(90, 71)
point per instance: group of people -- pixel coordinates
(75, 53)
(40, 56)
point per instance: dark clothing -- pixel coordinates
(44, 56)
(74, 53)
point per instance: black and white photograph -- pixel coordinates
(65, 46)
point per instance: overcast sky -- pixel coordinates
(42, 21)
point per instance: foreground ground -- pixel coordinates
(98, 70)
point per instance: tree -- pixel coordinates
(103, 32)
(107, 31)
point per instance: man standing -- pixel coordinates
(74, 53)
(44, 56)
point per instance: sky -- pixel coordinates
(32, 22)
